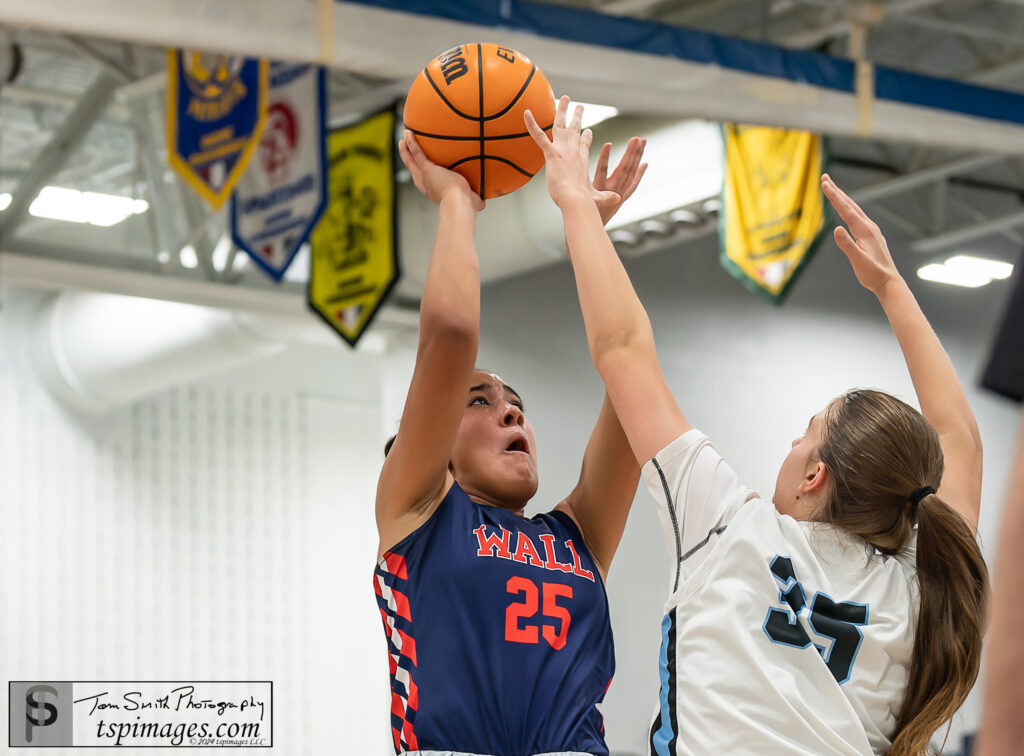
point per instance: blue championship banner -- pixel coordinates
(354, 260)
(773, 210)
(216, 105)
(283, 193)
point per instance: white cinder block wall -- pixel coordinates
(217, 531)
(224, 530)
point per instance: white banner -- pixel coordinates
(283, 193)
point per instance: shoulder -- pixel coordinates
(404, 532)
(677, 453)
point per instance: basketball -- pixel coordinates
(466, 110)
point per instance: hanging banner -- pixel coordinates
(773, 210)
(354, 260)
(216, 105)
(283, 193)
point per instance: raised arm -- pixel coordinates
(415, 475)
(1002, 727)
(609, 475)
(938, 389)
(619, 332)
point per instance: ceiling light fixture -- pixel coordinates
(966, 270)
(593, 114)
(95, 208)
(188, 257)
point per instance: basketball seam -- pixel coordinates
(486, 138)
(444, 99)
(481, 158)
(480, 80)
(514, 99)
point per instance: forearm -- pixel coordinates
(942, 398)
(451, 294)
(1002, 727)
(615, 319)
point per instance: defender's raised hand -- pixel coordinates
(567, 156)
(624, 179)
(863, 244)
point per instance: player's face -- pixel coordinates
(495, 454)
(799, 465)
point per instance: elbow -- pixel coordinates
(633, 344)
(449, 329)
(971, 436)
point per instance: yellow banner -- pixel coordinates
(354, 246)
(773, 211)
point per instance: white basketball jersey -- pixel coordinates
(779, 636)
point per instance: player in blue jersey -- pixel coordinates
(497, 625)
(843, 616)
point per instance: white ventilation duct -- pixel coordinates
(523, 231)
(97, 351)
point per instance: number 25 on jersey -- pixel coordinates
(519, 629)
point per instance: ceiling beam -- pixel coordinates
(65, 140)
(695, 11)
(841, 26)
(909, 181)
(47, 267)
(627, 7)
(112, 67)
(1004, 72)
(961, 29)
(969, 233)
(899, 184)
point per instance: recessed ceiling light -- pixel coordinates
(188, 257)
(966, 270)
(73, 206)
(593, 114)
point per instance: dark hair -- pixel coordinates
(879, 450)
(391, 441)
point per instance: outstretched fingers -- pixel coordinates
(635, 180)
(851, 213)
(601, 171)
(561, 113)
(628, 173)
(586, 139)
(535, 131)
(576, 124)
(846, 242)
(629, 165)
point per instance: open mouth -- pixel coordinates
(517, 445)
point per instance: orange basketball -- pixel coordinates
(466, 110)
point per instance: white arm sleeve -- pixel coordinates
(697, 493)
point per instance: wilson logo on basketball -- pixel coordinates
(453, 64)
(466, 110)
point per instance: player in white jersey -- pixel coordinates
(843, 616)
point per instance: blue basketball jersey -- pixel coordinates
(499, 639)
